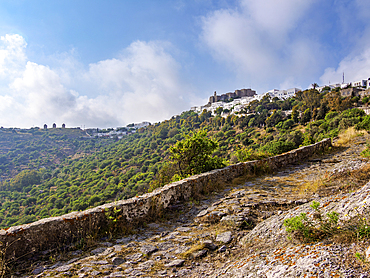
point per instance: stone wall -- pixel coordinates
(57, 232)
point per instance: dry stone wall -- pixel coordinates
(57, 232)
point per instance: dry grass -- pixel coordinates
(193, 249)
(310, 187)
(346, 137)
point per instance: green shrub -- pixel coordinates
(320, 226)
(278, 147)
(309, 229)
(364, 124)
(250, 154)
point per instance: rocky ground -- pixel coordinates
(235, 232)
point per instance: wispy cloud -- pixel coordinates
(261, 41)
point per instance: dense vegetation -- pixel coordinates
(53, 172)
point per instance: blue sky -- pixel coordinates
(110, 63)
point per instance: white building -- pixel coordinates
(238, 104)
(283, 94)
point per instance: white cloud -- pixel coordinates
(142, 84)
(354, 68)
(356, 64)
(260, 42)
(12, 56)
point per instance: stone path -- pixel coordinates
(197, 238)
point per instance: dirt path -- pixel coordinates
(198, 238)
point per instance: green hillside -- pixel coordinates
(56, 171)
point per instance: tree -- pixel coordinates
(295, 113)
(193, 155)
(306, 116)
(314, 85)
(219, 111)
(274, 119)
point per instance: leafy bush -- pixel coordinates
(278, 147)
(364, 124)
(316, 228)
(193, 155)
(250, 154)
(319, 226)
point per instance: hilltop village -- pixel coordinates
(235, 102)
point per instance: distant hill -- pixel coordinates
(52, 172)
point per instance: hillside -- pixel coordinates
(238, 229)
(65, 171)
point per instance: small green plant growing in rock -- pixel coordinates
(309, 229)
(320, 226)
(113, 217)
(360, 257)
(366, 151)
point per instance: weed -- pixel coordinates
(193, 201)
(360, 257)
(312, 229)
(321, 226)
(366, 152)
(114, 223)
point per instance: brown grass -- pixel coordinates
(346, 137)
(193, 249)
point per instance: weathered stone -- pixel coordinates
(222, 248)
(98, 250)
(107, 244)
(214, 216)
(106, 266)
(117, 248)
(146, 265)
(72, 261)
(117, 274)
(199, 254)
(134, 257)
(76, 253)
(181, 249)
(118, 260)
(153, 226)
(107, 251)
(99, 262)
(148, 249)
(38, 270)
(209, 244)
(165, 245)
(131, 244)
(124, 240)
(175, 263)
(183, 229)
(85, 269)
(63, 268)
(225, 237)
(183, 238)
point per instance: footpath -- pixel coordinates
(234, 232)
